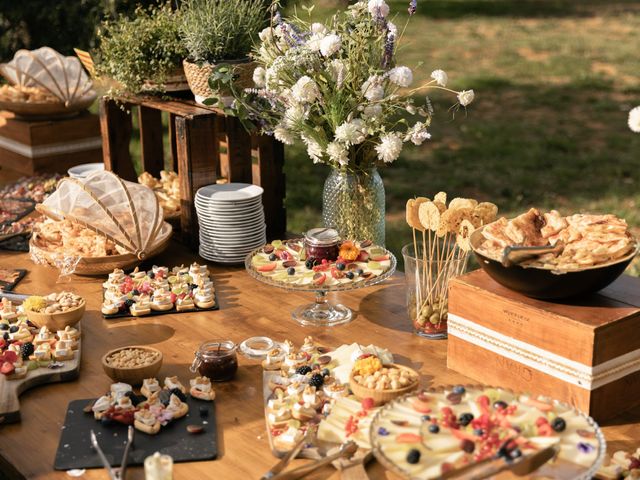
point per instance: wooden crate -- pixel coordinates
(31, 147)
(585, 352)
(205, 144)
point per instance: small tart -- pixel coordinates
(173, 382)
(303, 412)
(150, 386)
(161, 300)
(201, 389)
(109, 308)
(286, 440)
(139, 309)
(185, 304)
(146, 422)
(177, 407)
(73, 333)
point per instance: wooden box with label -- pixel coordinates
(37, 146)
(583, 351)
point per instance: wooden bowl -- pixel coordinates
(57, 321)
(132, 375)
(547, 284)
(380, 397)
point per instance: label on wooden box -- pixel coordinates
(573, 350)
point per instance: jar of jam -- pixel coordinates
(322, 243)
(216, 360)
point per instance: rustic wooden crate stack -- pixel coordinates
(205, 144)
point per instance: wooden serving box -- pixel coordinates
(582, 351)
(38, 146)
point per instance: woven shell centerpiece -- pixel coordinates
(63, 77)
(126, 213)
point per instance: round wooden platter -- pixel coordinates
(10, 390)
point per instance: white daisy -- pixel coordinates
(441, 77)
(294, 115)
(417, 134)
(283, 135)
(372, 111)
(378, 8)
(260, 77)
(338, 153)
(330, 45)
(318, 28)
(401, 76)
(314, 149)
(337, 70)
(372, 88)
(634, 119)
(305, 90)
(389, 148)
(351, 133)
(465, 97)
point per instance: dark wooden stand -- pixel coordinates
(197, 136)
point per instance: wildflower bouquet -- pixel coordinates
(337, 87)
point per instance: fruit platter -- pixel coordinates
(428, 434)
(32, 353)
(334, 266)
(158, 291)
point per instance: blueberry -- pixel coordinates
(204, 412)
(310, 263)
(193, 286)
(465, 419)
(106, 421)
(13, 329)
(458, 390)
(152, 275)
(558, 424)
(135, 399)
(383, 432)
(291, 271)
(6, 335)
(359, 271)
(135, 292)
(349, 275)
(164, 396)
(340, 266)
(128, 302)
(433, 428)
(515, 453)
(478, 432)
(4, 326)
(178, 393)
(426, 418)
(325, 372)
(272, 257)
(413, 456)
(500, 405)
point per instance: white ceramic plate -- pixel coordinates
(235, 231)
(230, 192)
(230, 250)
(227, 213)
(231, 203)
(235, 224)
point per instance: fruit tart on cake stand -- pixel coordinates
(322, 263)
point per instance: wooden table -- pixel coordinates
(248, 308)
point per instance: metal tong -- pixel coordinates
(114, 473)
(514, 255)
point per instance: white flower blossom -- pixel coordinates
(318, 28)
(260, 77)
(283, 135)
(441, 77)
(417, 134)
(393, 30)
(351, 133)
(337, 70)
(305, 90)
(294, 115)
(372, 111)
(378, 8)
(266, 35)
(314, 149)
(315, 41)
(372, 88)
(338, 153)
(465, 97)
(389, 148)
(330, 45)
(634, 119)
(401, 76)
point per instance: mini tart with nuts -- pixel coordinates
(429, 433)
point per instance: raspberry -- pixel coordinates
(367, 403)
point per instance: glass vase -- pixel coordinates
(353, 203)
(427, 276)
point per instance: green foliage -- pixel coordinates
(215, 30)
(140, 50)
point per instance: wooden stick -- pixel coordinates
(418, 285)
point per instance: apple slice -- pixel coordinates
(379, 258)
(268, 267)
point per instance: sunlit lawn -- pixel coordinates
(554, 81)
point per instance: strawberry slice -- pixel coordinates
(421, 406)
(10, 356)
(380, 258)
(363, 256)
(3, 343)
(7, 368)
(268, 267)
(408, 438)
(173, 298)
(319, 278)
(322, 268)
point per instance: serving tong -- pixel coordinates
(117, 473)
(514, 255)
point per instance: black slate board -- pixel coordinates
(8, 286)
(75, 450)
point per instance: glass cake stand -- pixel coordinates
(321, 313)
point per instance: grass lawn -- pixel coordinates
(554, 81)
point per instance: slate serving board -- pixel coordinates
(155, 313)
(75, 450)
(9, 286)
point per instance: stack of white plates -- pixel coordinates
(231, 220)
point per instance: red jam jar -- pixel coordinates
(216, 360)
(322, 243)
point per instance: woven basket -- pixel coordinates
(175, 81)
(198, 77)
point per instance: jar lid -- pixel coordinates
(216, 349)
(322, 236)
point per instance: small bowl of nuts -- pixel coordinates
(382, 383)
(132, 364)
(55, 311)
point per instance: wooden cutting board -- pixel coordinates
(10, 390)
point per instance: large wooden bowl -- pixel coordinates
(545, 283)
(57, 321)
(133, 375)
(380, 397)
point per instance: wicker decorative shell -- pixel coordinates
(44, 68)
(126, 213)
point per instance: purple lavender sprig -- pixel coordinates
(389, 46)
(413, 7)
